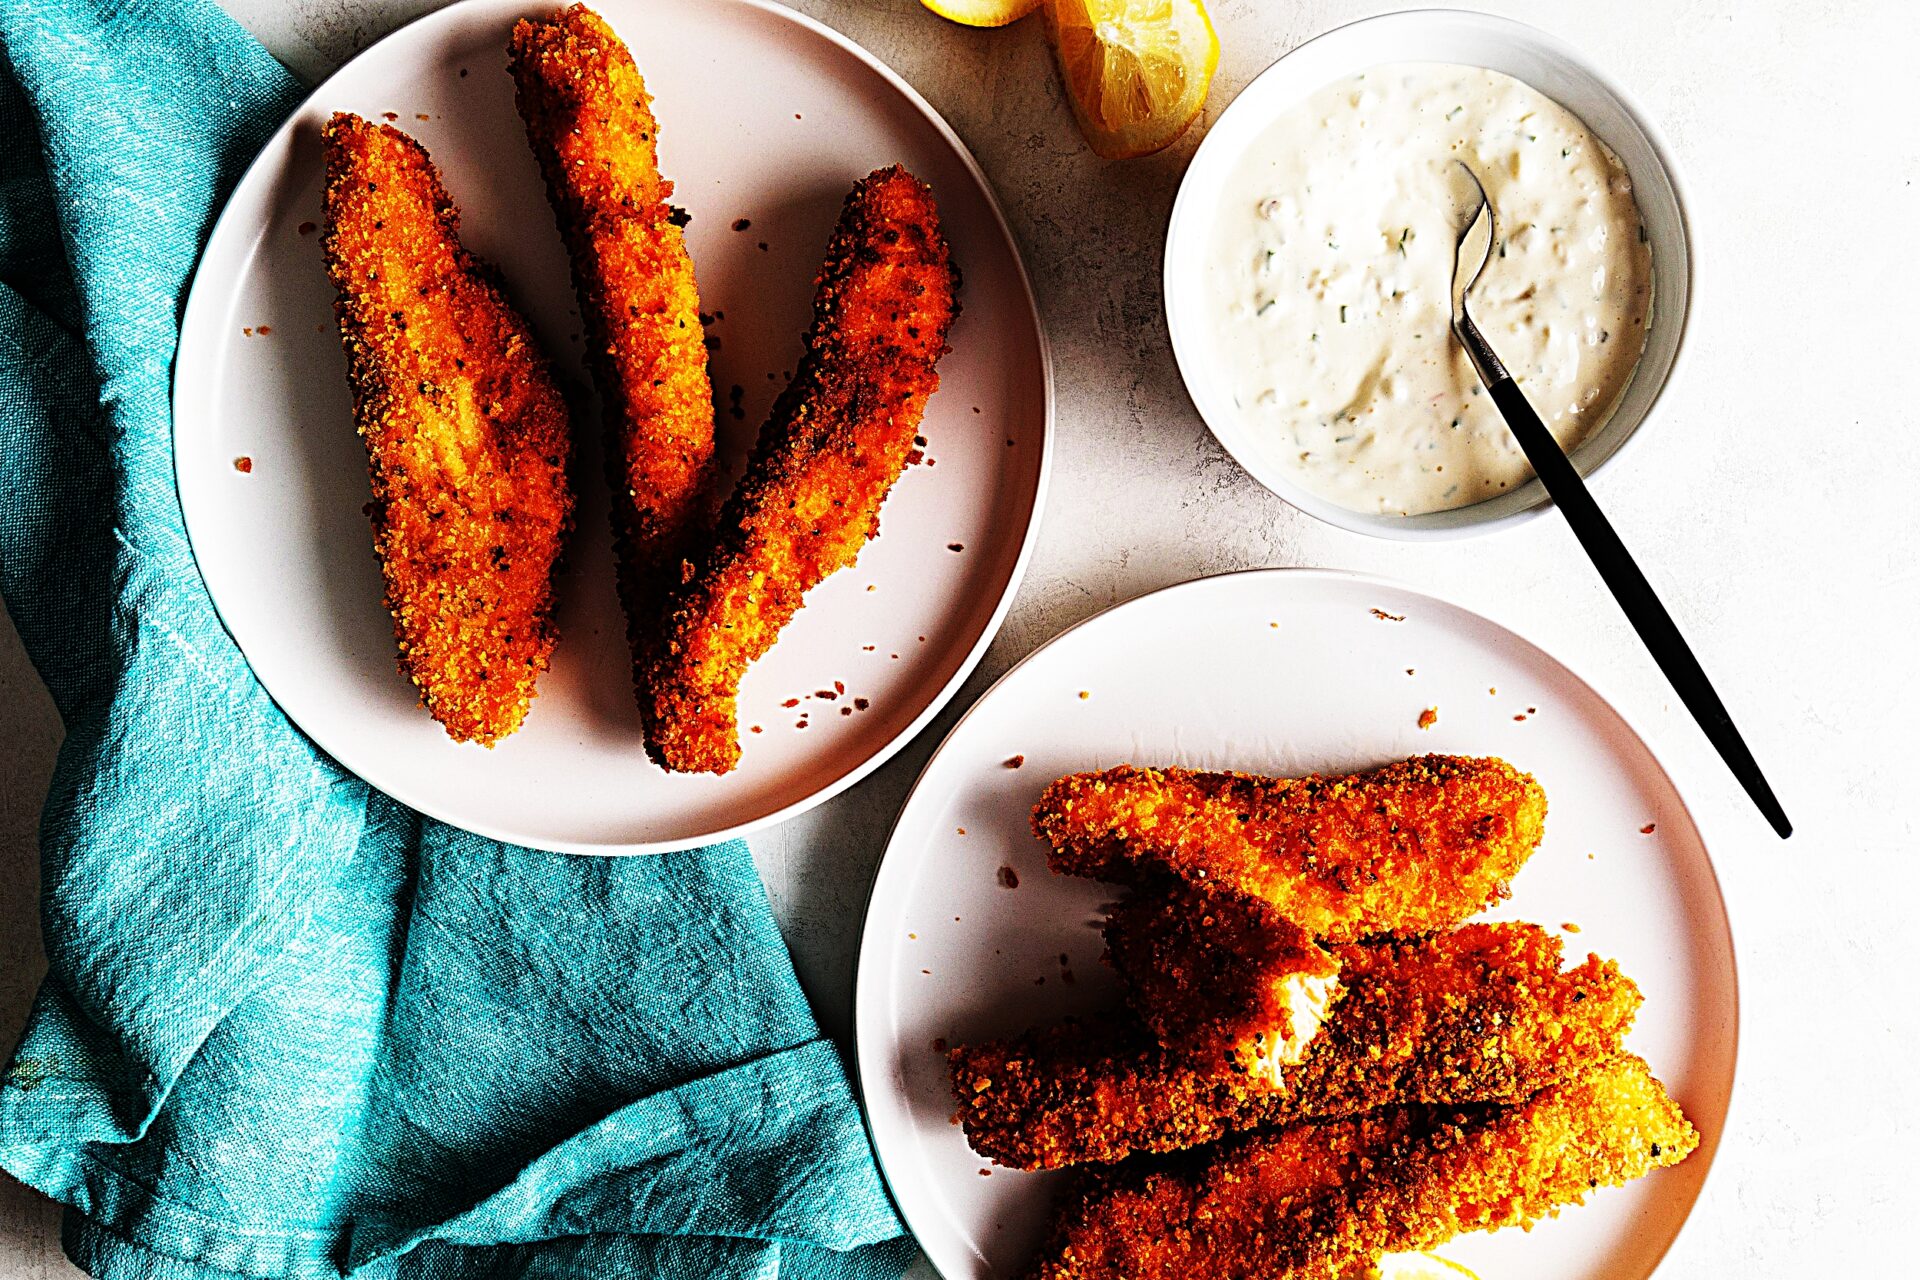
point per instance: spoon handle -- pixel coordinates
(1635, 596)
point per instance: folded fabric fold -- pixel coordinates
(292, 1029)
(749, 1143)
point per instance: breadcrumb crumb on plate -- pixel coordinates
(1193, 677)
(285, 551)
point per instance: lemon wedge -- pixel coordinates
(982, 13)
(1137, 71)
(1417, 1266)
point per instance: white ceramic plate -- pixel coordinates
(1428, 35)
(767, 116)
(1281, 672)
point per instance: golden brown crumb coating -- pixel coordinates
(1416, 846)
(593, 132)
(466, 432)
(1109, 1218)
(837, 440)
(1477, 1015)
(1220, 977)
(1319, 1202)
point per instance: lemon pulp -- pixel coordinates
(1136, 71)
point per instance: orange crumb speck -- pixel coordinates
(1084, 695)
(1645, 831)
(243, 464)
(1430, 717)
(1570, 926)
(1014, 762)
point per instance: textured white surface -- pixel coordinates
(1774, 508)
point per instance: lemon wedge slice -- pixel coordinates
(1416, 1266)
(982, 13)
(1136, 71)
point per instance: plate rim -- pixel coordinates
(866, 985)
(193, 382)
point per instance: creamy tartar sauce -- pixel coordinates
(1333, 257)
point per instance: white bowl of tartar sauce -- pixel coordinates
(1311, 248)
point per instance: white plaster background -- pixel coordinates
(1775, 509)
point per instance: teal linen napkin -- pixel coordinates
(291, 1028)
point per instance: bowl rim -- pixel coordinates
(1186, 344)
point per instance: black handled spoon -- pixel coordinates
(1603, 546)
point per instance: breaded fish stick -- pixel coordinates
(467, 435)
(590, 127)
(1483, 1014)
(837, 440)
(1413, 847)
(1221, 978)
(1322, 1202)
(1108, 1216)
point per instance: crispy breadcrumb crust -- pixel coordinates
(1477, 1015)
(467, 434)
(835, 443)
(1213, 974)
(1415, 846)
(1318, 1202)
(591, 129)
(1107, 1218)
